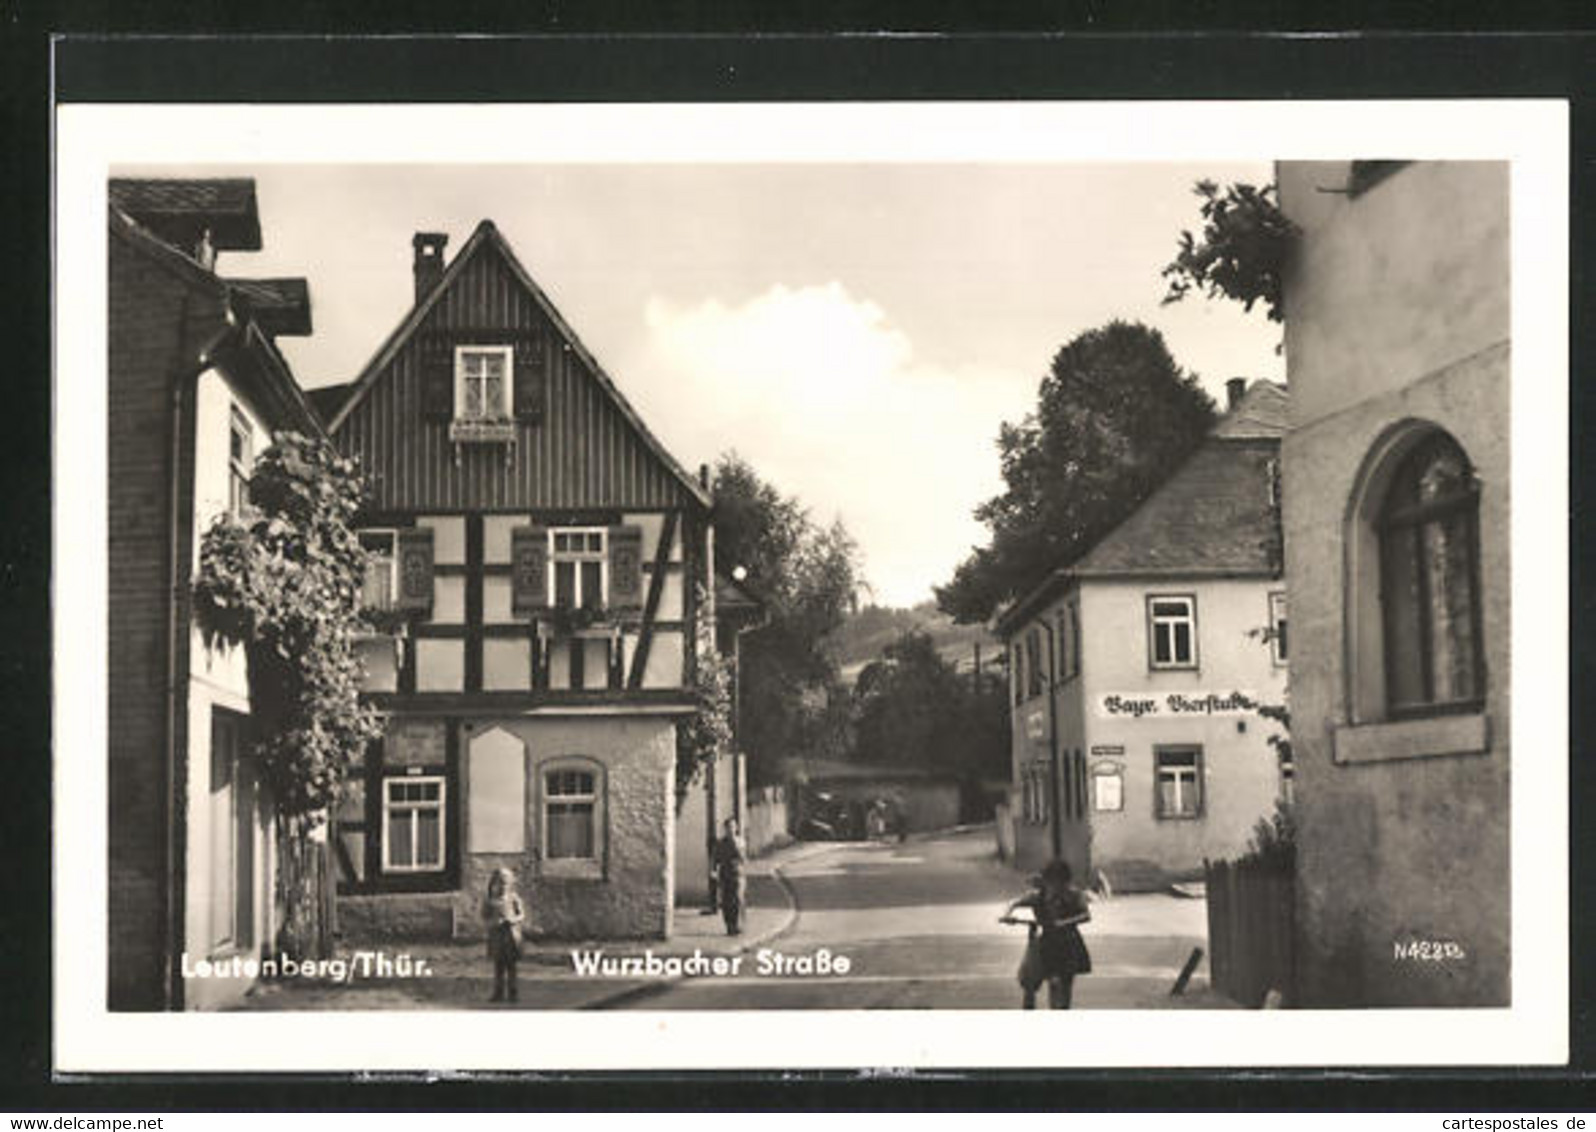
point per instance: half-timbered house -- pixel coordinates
(541, 564)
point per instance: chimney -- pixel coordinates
(1235, 388)
(429, 261)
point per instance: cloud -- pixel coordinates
(824, 396)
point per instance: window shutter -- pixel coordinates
(626, 568)
(529, 383)
(415, 568)
(436, 359)
(529, 585)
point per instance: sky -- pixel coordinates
(857, 332)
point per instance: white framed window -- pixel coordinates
(381, 582)
(578, 567)
(1172, 630)
(573, 817)
(240, 462)
(1108, 789)
(1277, 627)
(482, 382)
(413, 823)
(1178, 782)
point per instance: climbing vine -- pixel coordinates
(1241, 253)
(285, 583)
(706, 733)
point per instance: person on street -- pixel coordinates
(503, 913)
(729, 879)
(1056, 953)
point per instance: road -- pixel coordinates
(917, 924)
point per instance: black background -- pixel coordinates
(715, 53)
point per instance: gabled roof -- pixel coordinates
(179, 209)
(487, 234)
(281, 306)
(1264, 413)
(1214, 517)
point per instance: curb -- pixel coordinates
(648, 990)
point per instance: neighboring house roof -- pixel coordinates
(281, 306)
(254, 357)
(1214, 517)
(178, 210)
(487, 235)
(328, 399)
(1263, 414)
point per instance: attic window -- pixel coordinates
(483, 394)
(482, 383)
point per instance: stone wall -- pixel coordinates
(629, 895)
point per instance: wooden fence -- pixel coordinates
(1251, 930)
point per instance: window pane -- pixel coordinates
(1449, 579)
(1169, 609)
(429, 837)
(493, 397)
(1399, 591)
(1182, 641)
(401, 851)
(1166, 794)
(377, 591)
(595, 542)
(592, 586)
(570, 829)
(1161, 644)
(565, 584)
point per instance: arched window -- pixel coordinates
(1414, 644)
(1429, 581)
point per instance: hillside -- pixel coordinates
(866, 633)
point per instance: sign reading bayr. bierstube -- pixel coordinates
(1141, 705)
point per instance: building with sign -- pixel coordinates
(544, 567)
(1138, 670)
(1399, 342)
(196, 389)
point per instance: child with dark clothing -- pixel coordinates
(503, 913)
(1056, 952)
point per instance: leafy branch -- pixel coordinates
(1242, 252)
(285, 584)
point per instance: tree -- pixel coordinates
(914, 709)
(1242, 252)
(705, 734)
(807, 578)
(285, 584)
(1115, 416)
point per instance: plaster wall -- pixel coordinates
(1398, 308)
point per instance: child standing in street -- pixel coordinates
(503, 913)
(1056, 952)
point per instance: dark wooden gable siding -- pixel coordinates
(583, 454)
